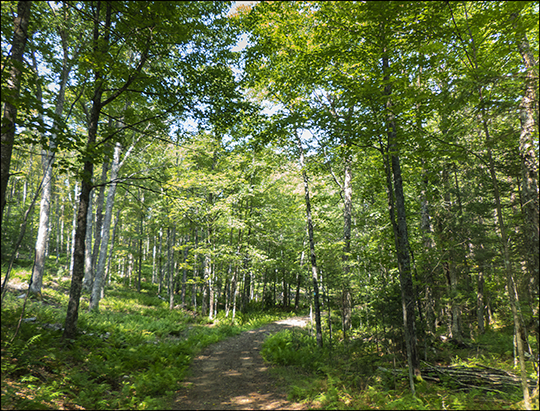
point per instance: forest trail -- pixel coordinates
(232, 374)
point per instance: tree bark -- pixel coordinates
(106, 275)
(429, 245)
(318, 328)
(72, 315)
(400, 234)
(48, 161)
(71, 247)
(88, 272)
(528, 138)
(449, 266)
(184, 270)
(171, 265)
(13, 82)
(195, 271)
(99, 218)
(86, 184)
(347, 217)
(100, 268)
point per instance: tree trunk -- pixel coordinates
(140, 246)
(234, 291)
(80, 233)
(184, 270)
(346, 308)
(407, 292)
(429, 245)
(171, 266)
(512, 292)
(480, 302)
(529, 170)
(105, 231)
(528, 139)
(88, 272)
(298, 279)
(400, 234)
(99, 216)
(73, 227)
(46, 195)
(195, 271)
(106, 275)
(154, 249)
(311, 245)
(13, 83)
(449, 266)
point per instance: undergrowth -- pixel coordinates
(132, 354)
(356, 375)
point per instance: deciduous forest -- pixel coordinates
(176, 173)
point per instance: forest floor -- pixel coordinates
(233, 375)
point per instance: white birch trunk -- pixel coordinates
(46, 195)
(74, 226)
(98, 280)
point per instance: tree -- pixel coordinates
(48, 158)
(313, 257)
(11, 95)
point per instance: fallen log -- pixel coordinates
(465, 378)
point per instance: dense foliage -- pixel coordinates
(152, 153)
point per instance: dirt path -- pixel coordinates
(232, 375)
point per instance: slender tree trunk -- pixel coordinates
(206, 285)
(528, 139)
(106, 275)
(99, 217)
(299, 279)
(171, 266)
(184, 270)
(195, 272)
(211, 292)
(86, 185)
(73, 227)
(449, 266)
(480, 302)
(80, 233)
(228, 295)
(140, 246)
(528, 112)
(429, 245)
(512, 291)
(407, 292)
(88, 272)
(100, 268)
(346, 310)
(311, 245)
(234, 291)
(401, 235)
(46, 195)
(13, 83)
(160, 260)
(154, 249)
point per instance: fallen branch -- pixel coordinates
(479, 377)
